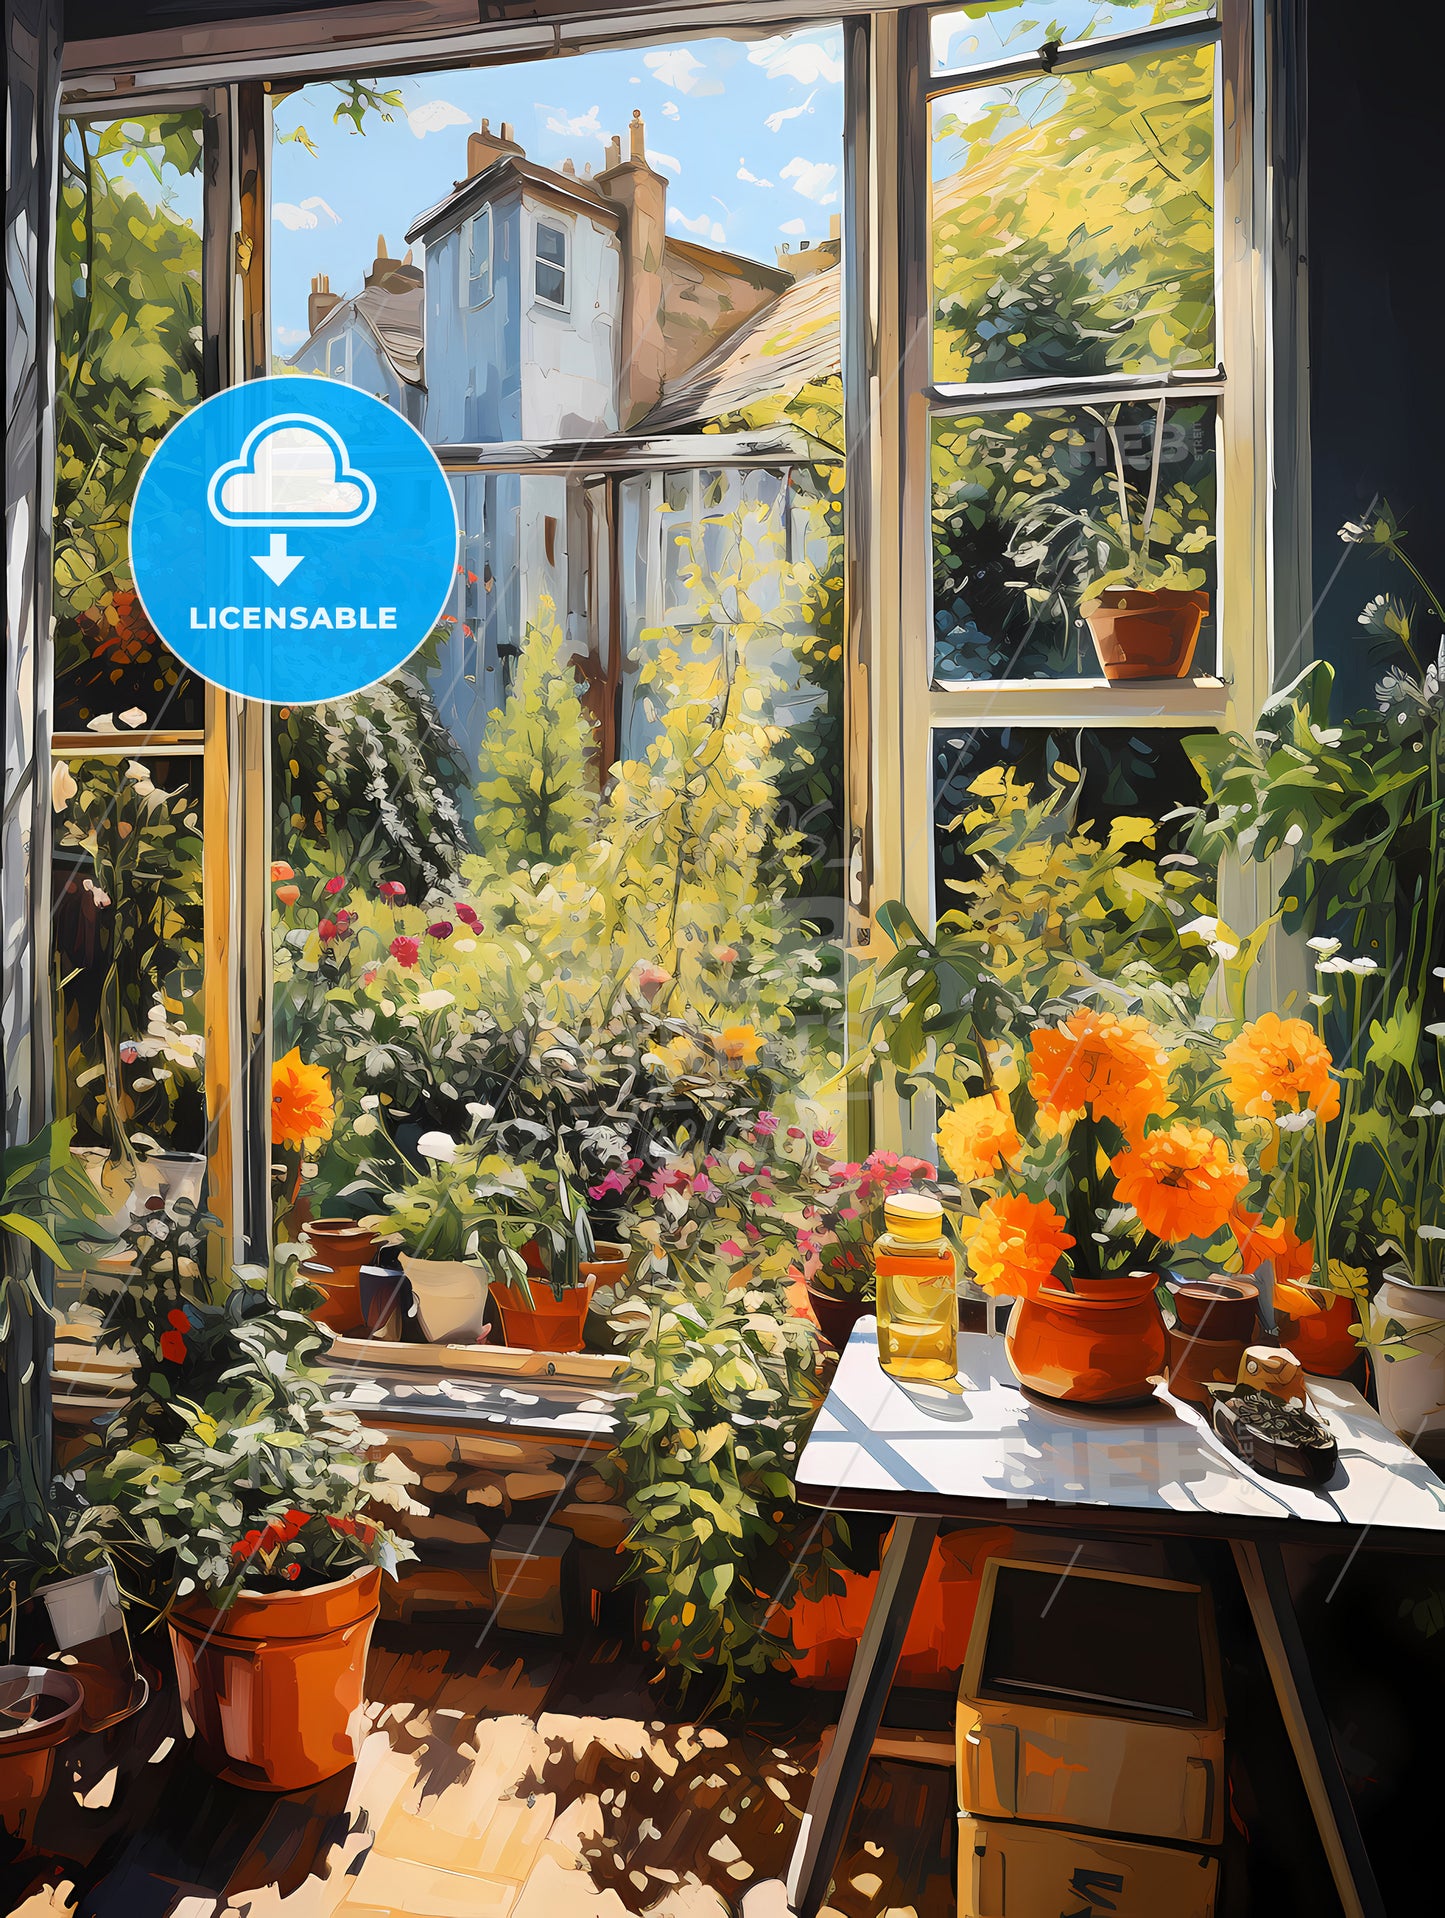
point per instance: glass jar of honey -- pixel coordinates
(917, 1291)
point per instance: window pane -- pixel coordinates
(973, 36)
(1035, 512)
(1073, 222)
(480, 258)
(1101, 777)
(128, 337)
(128, 951)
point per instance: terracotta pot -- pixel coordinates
(340, 1247)
(1101, 1345)
(549, 1324)
(39, 1709)
(1146, 635)
(451, 1298)
(836, 1314)
(608, 1265)
(1217, 1308)
(1322, 1342)
(1195, 1363)
(274, 1684)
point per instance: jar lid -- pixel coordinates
(913, 1215)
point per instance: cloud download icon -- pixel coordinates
(371, 579)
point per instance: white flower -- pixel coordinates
(434, 1000)
(1430, 1231)
(62, 786)
(479, 1111)
(139, 776)
(439, 1147)
(365, 1125)
(369, 1102)
(1348, 965)
(1295, 1121)
(1214, 934)
(464, 945)
(100, 897)
(1326, 947)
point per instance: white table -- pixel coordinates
(982, 1449)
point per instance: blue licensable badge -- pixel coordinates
(293, 540)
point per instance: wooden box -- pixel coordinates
(532, 1573)
(1095, 1699)
(1010, 1870)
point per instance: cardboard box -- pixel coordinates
(1013, 1870)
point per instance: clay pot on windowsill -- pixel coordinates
(1141, 634)
(1217, 1308)
(39, 1709)
(274, 1684)
(837, 1313)
(1102, 1344)
(340, 1247)
(549, 1323)
(1321, 1341)
(450, 1297)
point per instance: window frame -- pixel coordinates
(467, 280)
(553, 223)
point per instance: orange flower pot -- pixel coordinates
(39, 1709)
(1322, 1342)
(340, 1248)
(1102, 1345)
(550, 1324)
(1146, 635)
(274, 1684)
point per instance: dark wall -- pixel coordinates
(1375, 181)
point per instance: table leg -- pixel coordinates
(840, 1771)
(1262, 1573)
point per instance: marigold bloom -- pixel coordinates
(1291, 1256)
(1015, 1244)
(1113, 1065)
(1274, 1062)
(280, 870)
(975, 1136)
(302, 1108)
(1181, 1181)
(741, 1044)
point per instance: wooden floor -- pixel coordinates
(505, 1780)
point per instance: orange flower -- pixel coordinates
(1114, 1065)
(1298, 1303)
(1280, 1062)
(302, 1109)
(1181, 1181)
(1015, 1244)
(974, 1136)
(1291, 1256)
(741, 1045)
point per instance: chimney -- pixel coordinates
(640, 194)
(569, 169)
(320, 301)
(484, 149)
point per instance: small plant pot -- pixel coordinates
(1321, 1341)
(836, 1314)
(1101, 1345)
(340, 1289)
(385, 1298)
(1196, 1363)
(1411, 1391)
(346, 1247)
(1146, 635)
(274, 1684)
(1217, 1308)
(88, 1628)
(451, 1298)
(608, 1264)
(549, 1324)
(39, 1709)
(169, 1176)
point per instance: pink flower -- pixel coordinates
(651, 979)
(335, 884)
(368, 975)
(327, 929)
(439, 929)
(765, 1123)
(703, 1187)
(795, 1132)
(343, 920)
(726, 955)
(617, 1180)
(467, 914)
(405, 951)
(128, 1055)
(391, 889)
(764, 1198)
(824, 1136)
(730, 1249)
(751, 1232)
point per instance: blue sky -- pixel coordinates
(749, 134)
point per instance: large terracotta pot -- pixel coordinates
(1146, 635)
(1321, 1341)
(836, 1314)
(450, 1296)
(340, 1248)
(1101, 1345)
(549, 1324)
(39, 1709)
(1411, 1391)
(1218, 1308)
(274, 1685)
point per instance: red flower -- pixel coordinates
(179, 1318)
(405, 951)
(335, 884)
(343, 920)
(440, 929)
(467, 914)
(244, 1547)
(173, 1347)
(294, 1520)
(292, 1571)
(391, 889)
(327, 929)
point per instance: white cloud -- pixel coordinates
(663, 160)
(805, 61)
(793, 226)
(813, 179)
(299, 219)
(751, 178)
(676, 67)
(702, 228)
(670, 109)
(775, 120)
(290, 335)
(574, 126)
(432, 115)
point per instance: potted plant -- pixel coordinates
(246, 1497)
(546, 1310)
(1083, 1175)
(39, 1709)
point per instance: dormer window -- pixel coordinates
(477, 258)
(551, 273)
